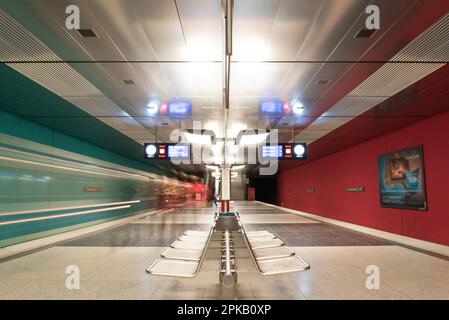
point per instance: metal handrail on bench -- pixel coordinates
(200, 263)
(256, 263)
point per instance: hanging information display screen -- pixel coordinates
(284, 151)
(179, 151)
(272, 152)
(167, 151)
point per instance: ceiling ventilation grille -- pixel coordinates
(87, 33)
(322, 82)
(432, 44)
(391, 78)
(365, 33)
(18, 44)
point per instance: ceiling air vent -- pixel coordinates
(365, 33)
(129, 82)
(322, 82)
(87, 33)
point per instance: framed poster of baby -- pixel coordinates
(401, 179)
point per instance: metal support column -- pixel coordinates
(225, 188)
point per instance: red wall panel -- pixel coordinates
(357, 166)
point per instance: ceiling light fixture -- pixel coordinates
(365, 33)
(297, 108)
(87, 33)
(197, 138)
(248, 139)
(153, 107)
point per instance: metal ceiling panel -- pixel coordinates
(252, 26)
(121, 123)
(121, 20)
(202, 22)
(257, 79)
(391, 78)
(195, 79)
(19, 44)
(97, 106)
(352, 106)
(59, 78)
(337, 41)
(291, 27)
(161, 24)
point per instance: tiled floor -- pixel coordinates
(112, 263)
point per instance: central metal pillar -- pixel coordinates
(225, 188)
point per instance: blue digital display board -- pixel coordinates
(284, 151)
(271, 107)
(166, 151)
(271, 152)
(179, 151)
(179, 108)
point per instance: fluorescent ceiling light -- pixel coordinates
(253, 138)
(212, 167)
(238, 167)
(216, 174)
(198, 138)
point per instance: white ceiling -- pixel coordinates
(164, 34)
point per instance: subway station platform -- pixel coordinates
(224, 150)
(112, 262)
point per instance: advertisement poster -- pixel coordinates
(401, 178)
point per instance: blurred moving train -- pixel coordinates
(46, 189)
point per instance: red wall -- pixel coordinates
(357, 166)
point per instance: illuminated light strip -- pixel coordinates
(61, 167)
(68, 208)
(64, 215)
(78, 164)
(140, 177)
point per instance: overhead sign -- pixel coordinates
(167, 151)
(284, 151)
(272, 152)
(172, 108)
(179, 108)
(271, 108)
(274, 108)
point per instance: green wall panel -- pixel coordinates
(31, 185)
